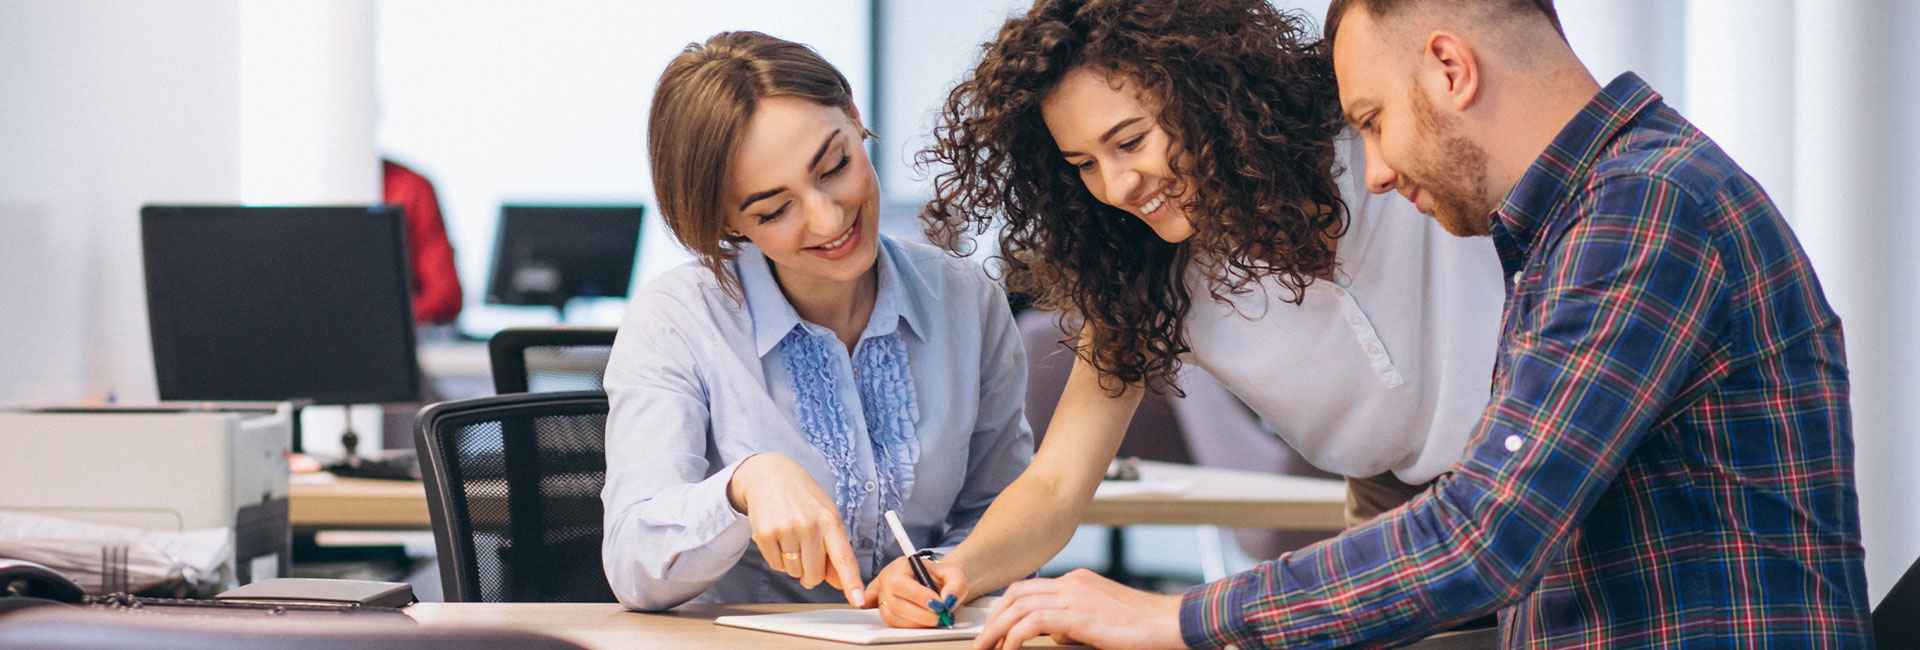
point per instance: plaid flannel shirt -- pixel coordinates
(1667, 458)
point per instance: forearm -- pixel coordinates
(1036, 515)
(1030, 522)
(670, 546)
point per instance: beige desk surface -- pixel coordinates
(1214, 496)
(607, 626)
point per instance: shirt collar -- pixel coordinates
(901, 295)
(1550, 181)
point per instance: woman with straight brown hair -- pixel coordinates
(772, 399)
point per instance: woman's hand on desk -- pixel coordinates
(903, 600)
(795, 524)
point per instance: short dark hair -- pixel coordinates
(1379, 9)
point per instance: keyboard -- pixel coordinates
(400, 467)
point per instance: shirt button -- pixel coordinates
(870, 486)
(1355, 321)
(1373, 349)
(1513, 443)
(866, 544)
(1339, 291)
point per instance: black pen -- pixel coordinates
(914, 559)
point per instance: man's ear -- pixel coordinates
(1455, 68)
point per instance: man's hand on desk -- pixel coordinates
(1082, 607)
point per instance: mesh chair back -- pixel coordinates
(549, 359)
(513, 486)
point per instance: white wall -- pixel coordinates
(535, 101)
(107, 106)
(1855, 156)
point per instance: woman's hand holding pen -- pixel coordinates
(903, 600)
(795, 524)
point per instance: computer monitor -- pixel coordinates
(550, 254)
(283, 303)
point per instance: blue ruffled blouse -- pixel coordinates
(925, 416)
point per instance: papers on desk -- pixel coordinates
(1145, 486)
(100, 556)
(860, 626)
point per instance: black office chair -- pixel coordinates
(1896, 620)
(513, 487)
(549, 359)
(69, 628)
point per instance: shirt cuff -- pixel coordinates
(725, 527)
(1210, 614)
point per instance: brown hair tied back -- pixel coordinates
(700, 111)
(1244, 91)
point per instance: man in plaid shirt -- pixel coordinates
(1666, 460)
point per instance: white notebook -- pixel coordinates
(860, 626)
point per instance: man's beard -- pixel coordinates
(1451, 170)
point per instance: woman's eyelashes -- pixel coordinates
(1131, 145)
(774, 214)
(830, 173)
(837, 167)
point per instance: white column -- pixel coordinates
(1854, 174)
(104, 106)
(306, 102)
(1739, 85)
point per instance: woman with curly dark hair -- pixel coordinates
(1177, 175)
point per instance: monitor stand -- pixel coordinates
(349, 441)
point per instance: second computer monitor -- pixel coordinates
(279, 303)
(550, 254)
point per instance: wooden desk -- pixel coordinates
(1221, 497)
(359, 504)
(607, 626)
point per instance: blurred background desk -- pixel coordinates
(1211, 496)
(358, 504)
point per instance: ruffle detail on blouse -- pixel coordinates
(889, 404)
(888, 401)
(824, 420)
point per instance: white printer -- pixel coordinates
(169, 468)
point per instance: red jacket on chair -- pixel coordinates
(436, 285)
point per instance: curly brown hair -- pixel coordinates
(1243, 89)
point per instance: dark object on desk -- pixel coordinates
(1896, 620)
(316, 591)
(282, 303)
(83, 629)
(394, 466)
(550, 254)
(23, 579)
(513, 487)
(549, 359)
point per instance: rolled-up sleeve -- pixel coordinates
(670, 531)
